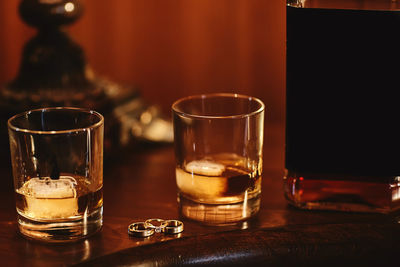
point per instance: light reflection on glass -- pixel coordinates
(86, 254)
(395, 187)
(69, 7)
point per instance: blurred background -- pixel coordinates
(174, 48)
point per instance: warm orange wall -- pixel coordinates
(174, 48)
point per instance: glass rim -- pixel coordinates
(83, 110)
(230, 95)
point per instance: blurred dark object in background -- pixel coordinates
(53, 72)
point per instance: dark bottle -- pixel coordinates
(343, 79)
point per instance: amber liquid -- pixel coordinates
(232, 186)
(230, 197)
(342, 192)
(83, 202)
(341, 127)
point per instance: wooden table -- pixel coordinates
(140, 184)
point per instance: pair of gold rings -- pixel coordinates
(151, 226)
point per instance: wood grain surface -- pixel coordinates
(174, 48)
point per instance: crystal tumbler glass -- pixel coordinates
(57, 164)
(218, 146)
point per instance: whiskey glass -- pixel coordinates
(218, 148)
(57, 164)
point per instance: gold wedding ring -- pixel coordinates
(173, 227)
(151, 226)
(157, 224)
(139, 229)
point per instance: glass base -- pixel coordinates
(61, 231)
(342, 192)
(219, 214)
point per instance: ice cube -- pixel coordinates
(63, 187)
(205, 167)
(200, 187)
(50, 199)
(202, 179)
